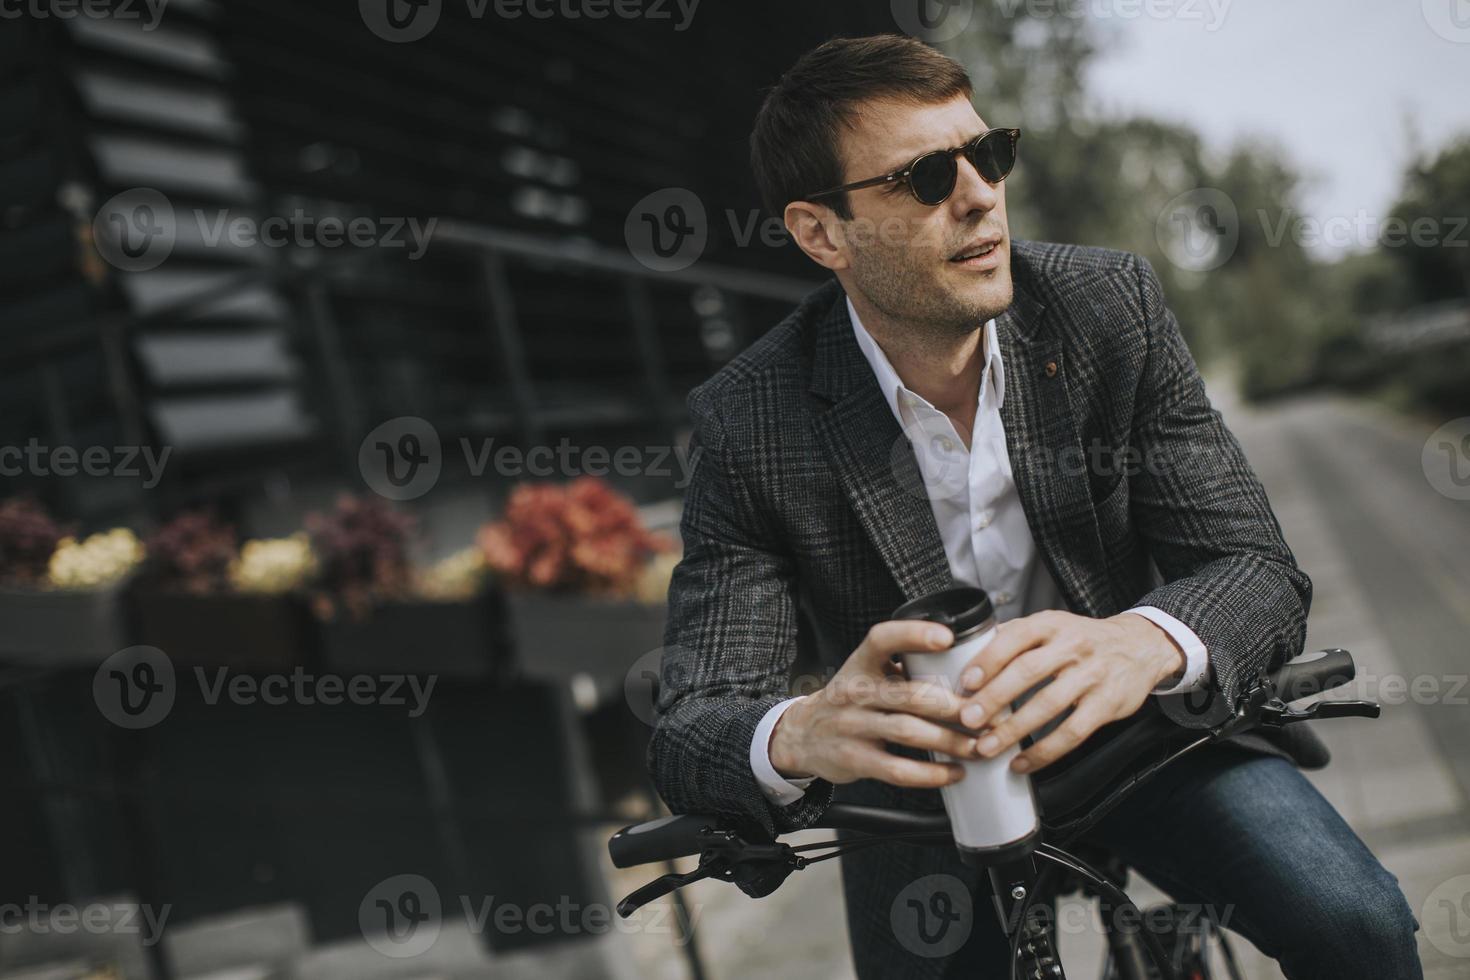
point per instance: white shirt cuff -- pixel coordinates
(776, 787)
(1196, 658)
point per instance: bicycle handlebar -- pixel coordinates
(679, 835)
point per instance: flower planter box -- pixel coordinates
(558, 636)
(63, 627)
(453, 639)
(262, 632)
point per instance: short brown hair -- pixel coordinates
(794, 145)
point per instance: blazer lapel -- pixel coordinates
(873, 462)
(1047, 460)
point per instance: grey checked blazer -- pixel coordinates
(806, 522)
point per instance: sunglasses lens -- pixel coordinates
(932, 177)
(993, 155)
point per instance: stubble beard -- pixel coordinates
(928, 316)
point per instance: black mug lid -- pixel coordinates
(962, 609)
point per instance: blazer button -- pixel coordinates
(1051, 369)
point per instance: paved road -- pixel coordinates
(1390, 558)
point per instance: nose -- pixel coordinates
(972, 194)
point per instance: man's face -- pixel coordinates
(910, 259)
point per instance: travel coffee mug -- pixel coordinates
(992, 810)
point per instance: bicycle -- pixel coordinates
(1129, 752)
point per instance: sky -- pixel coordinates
(1339, 84)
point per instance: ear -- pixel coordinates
(815, 229)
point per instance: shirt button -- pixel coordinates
(1003, 598)
(946, 444)
(983, 519)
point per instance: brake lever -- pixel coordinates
(659, 887)
(757, 868)
(1275, 713)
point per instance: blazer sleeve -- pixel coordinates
(728, 646)
(1228, 573)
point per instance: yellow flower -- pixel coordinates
(272, 566)
(100, 560)
(455, 578)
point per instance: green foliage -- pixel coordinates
(1275, 314)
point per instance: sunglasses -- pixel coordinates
(931, 176)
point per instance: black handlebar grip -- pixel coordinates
(658, 840)
(1303, 678)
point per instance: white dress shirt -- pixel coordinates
(972, 493)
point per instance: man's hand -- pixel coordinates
(1106, 667)
(838, 733)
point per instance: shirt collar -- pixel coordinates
(891, 384)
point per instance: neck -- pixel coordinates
(942, 365)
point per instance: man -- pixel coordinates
(961, 407)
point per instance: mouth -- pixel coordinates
(978, 253)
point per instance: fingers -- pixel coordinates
(1011, 640)
(1091, 714)
(1056, 697)
(871, 762)
(915, 732)
(899, 636)
(1019, 676)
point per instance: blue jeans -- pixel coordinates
(1247, 837)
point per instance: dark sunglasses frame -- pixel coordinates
(970, 150)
